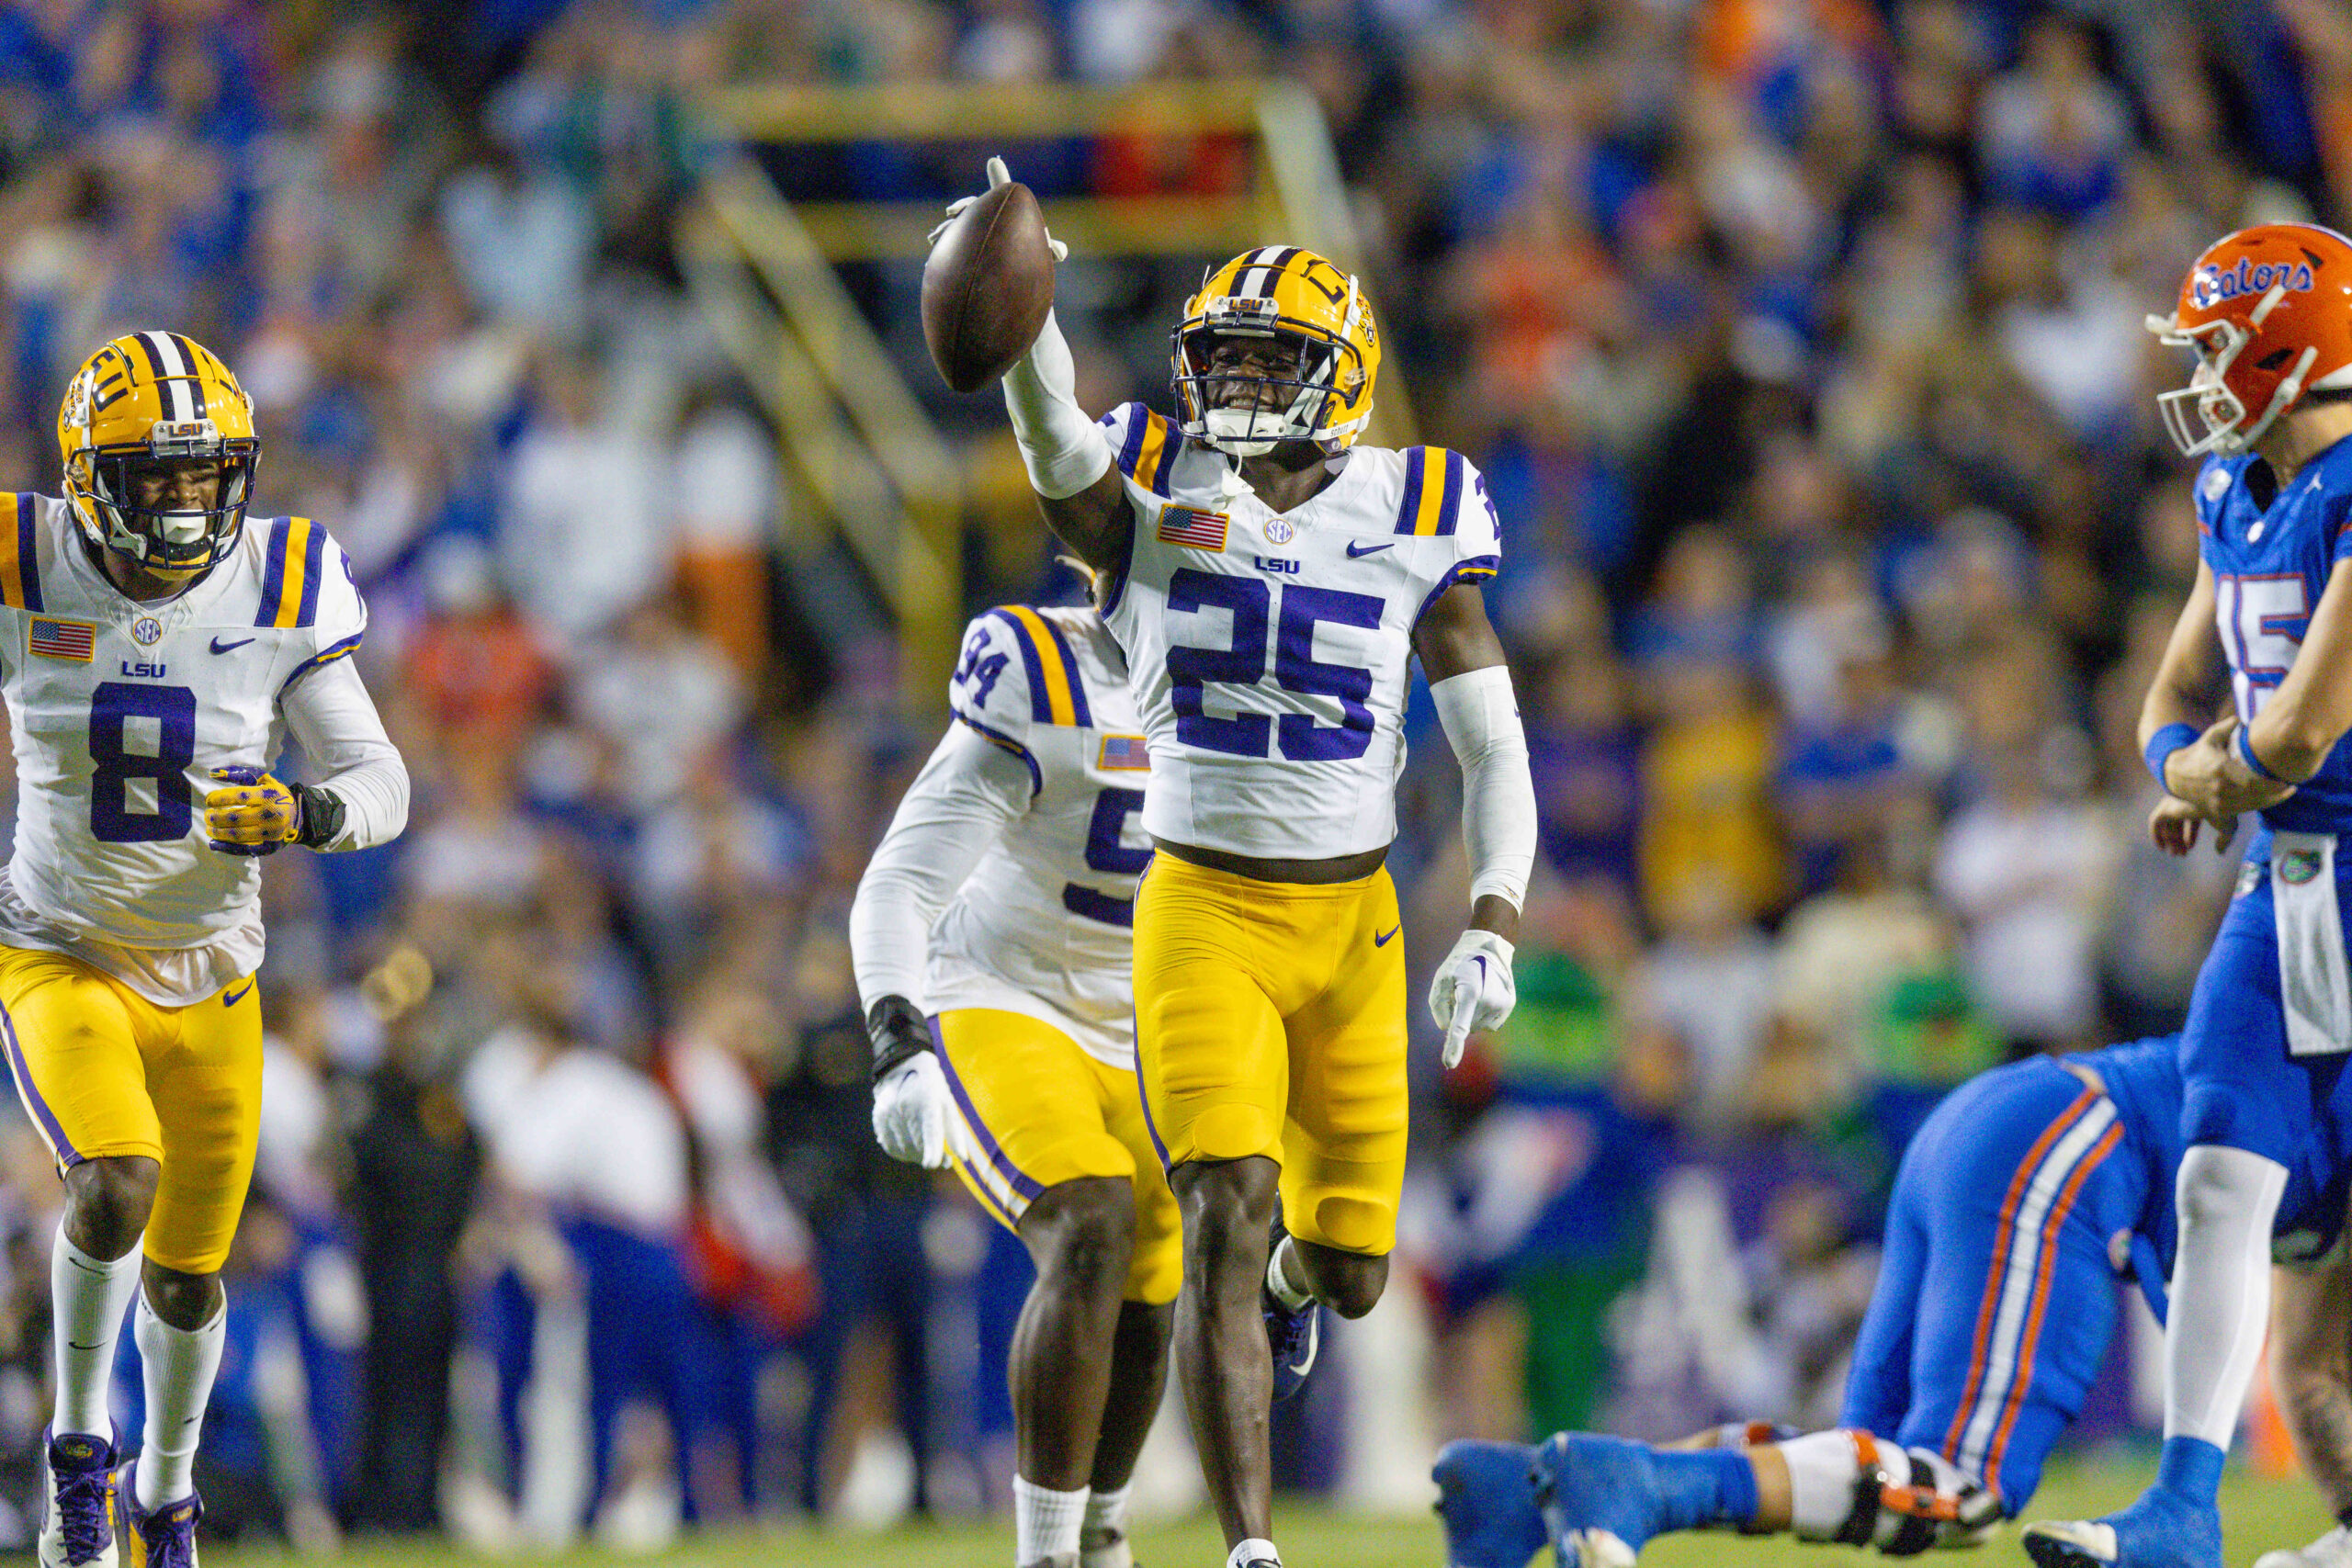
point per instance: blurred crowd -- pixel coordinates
(1800, 342)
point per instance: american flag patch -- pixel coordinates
(1192, 527)
(76, 641)
(1124, 753)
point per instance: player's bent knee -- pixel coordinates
(1082, 1233)
(1350, 1283)
(186, 1302)
(108, 1201)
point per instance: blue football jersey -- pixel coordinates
(2271, 566)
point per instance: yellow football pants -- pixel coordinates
(1269, 1019)
(1041, 1111)
(104, 1071)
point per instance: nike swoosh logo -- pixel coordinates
(230, 1000)
(79, 1346)
(1379, 940)
(220, 647)
(1358, 553)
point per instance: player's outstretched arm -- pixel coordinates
(1473, 987)
(2310, 1370)
(963, 799)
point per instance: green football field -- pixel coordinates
(2258, 1515)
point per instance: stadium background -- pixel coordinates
(1799, 340)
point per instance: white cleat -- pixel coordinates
(77, 1515)
(2332, 1549)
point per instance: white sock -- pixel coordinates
(88, 1296)
(179, 1365)
(2221, 1289)
(1252, 1551)
(1044, 1522)
(1102, 1542)
(1278, 1277)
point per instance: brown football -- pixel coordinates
(987, 288)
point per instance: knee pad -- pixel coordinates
(1848, 1487)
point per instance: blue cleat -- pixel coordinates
(2162, 1529)
(1293, 1336)
(1600, 1498)
(1486, 1494)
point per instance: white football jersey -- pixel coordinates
(1043, 925)
(1269, 652)
(118, 710)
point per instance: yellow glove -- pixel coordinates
(253, 815)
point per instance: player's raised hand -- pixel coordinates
(1473, 990)
(910, 1113)
(251, 814)
(998, 176)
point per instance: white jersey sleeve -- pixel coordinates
(968, 791)
(1270, 652)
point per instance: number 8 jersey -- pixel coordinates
(118, 709)
(1269, 651)
(2270, 564)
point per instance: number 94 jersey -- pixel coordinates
(1269, 652)
(1043, 925)
(2270, 565)
(117, 710)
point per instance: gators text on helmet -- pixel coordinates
(2268, 310)
(1325, 354)
(147, 398)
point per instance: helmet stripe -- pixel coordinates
(1257, 276)
(195, 371)
(171, 375)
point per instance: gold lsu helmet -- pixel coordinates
(1303, 304)
(156, 397)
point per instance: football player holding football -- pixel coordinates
(1271, 578)
(2023, 1197)
(990, 935)
(2268, 312)
(157, 649)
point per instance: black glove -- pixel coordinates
(899, 1031)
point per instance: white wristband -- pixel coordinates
(1481, 721)
(1064, 450)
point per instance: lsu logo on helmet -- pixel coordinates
(155, 397)
(1279, 344)
(2269, 312)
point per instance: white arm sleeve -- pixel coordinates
(1481, 721)
(2221, 1288)
(963, 799)
(332, 718)
(1064, 450)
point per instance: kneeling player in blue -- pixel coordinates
(2024, 1196)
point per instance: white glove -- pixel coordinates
(910, 1113)
(998, 176)
(1473, 990)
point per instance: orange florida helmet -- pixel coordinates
(2268, 310)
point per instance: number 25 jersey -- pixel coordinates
(1269, 652)
(118, 710)
(2270, 565)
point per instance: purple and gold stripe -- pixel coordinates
(1477, 569)
(1432, 491)
(289, 582)
(1027, 1186)
(60, 1148)
(19, 554)
(1004, 742)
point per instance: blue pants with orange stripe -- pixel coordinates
(1996, 1296)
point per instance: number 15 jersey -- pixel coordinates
(120, 709)
(1268, 652)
